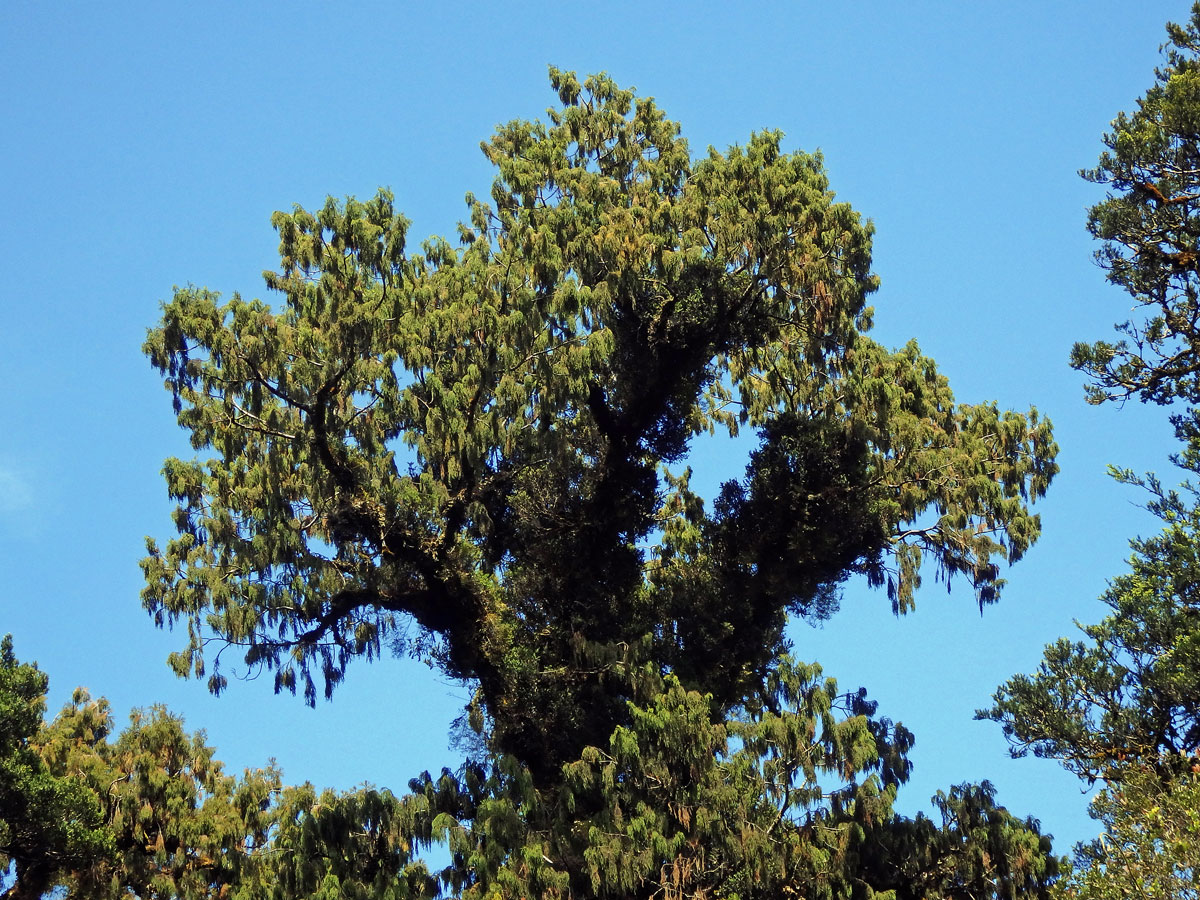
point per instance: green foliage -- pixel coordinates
(978, 849)
(181, 828)
(357, 846)
(1150, 846)
(50, 823)
(480, 445)
(483, 439)
(1149, 226)
(790, 796)
(1132, 689)
(1123, 705)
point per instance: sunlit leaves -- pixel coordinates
(50, 823)
(1150, 846)
(180, 826)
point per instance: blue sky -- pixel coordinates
(145, 145)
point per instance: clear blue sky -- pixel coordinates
(146, 145)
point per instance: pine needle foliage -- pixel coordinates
(483, 440)
(1149, 224)
(49, 822)
(180, 827)
(475, 452)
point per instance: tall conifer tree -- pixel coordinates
(475, 453)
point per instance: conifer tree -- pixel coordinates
(50, 823)
(1122, 705)
(178, 825)
(1148, 225)
(1150, 845)
(475, 453)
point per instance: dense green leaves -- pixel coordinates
(476, 452)
(791, 796)
(178, 825)
(357, 846)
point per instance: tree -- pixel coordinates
(179, 826)
(1123, 705)
(474, 453)
(791, 796)
(1151, 841)
(150, 813)
(1131, 691)
(49, 823)
(1149, 228)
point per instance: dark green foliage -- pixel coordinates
(791, 796)
(1132, 689)
(779, 542)
(977, 850)
(1123, 705)
(356, 846)
(50, 823)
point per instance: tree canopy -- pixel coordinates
(1149, 225)
(476, 453)
(790, 795)
(179, 826)
(49, 822)
(146, 813)
(1131, 690)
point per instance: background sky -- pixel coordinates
(145, 145)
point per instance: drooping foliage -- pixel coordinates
(180, 827)
(478, 439)
(790, 797)
(476, 453)
(1131, 689)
